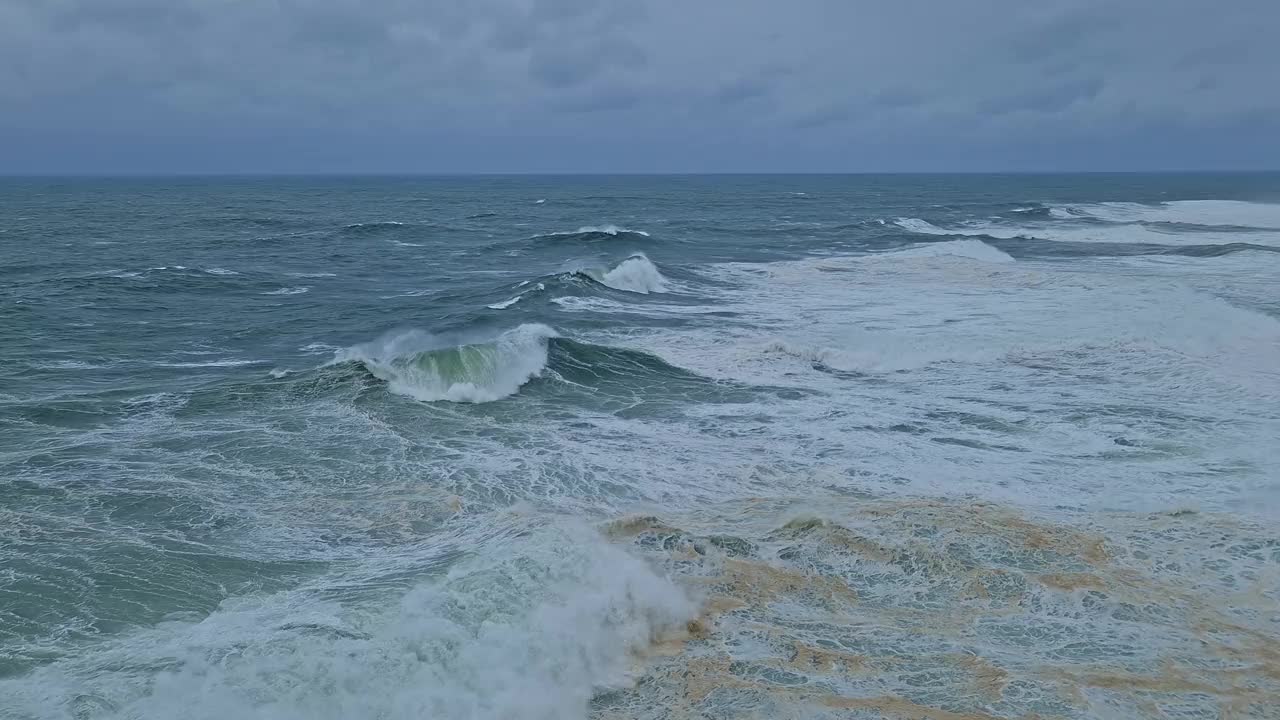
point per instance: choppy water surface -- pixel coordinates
(725, 447)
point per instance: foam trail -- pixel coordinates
(425, 367)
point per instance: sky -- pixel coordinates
(449, 86)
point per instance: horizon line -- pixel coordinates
(520, 173)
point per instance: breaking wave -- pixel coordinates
(971, 249)
(450, 368)
(432, 368)
(635, 274)
(534, 627)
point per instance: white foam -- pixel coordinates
(1093, 233)
(1190, 212)
(221, 271)
(289, 291)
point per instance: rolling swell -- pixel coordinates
(590, 234)
(1218, 250)
(585, 363)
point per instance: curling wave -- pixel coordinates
(430, 368)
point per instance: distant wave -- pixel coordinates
(1117, 234)
(593, 232)
(636, 274)
(972, 249)
(922, 227)
(368, 228)
(289, 291)
(1212, 213)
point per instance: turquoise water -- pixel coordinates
(555, 447)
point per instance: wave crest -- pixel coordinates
(636, 274)
(425, 367)
(971, 249)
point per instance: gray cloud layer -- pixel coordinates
(447, 85)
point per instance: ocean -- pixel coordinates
(945, 447)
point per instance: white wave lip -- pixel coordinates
(1234, 213)
(505, 303)
(636, 274)
(289, 291)
(517, 298)
(431, 369)
(614, 230)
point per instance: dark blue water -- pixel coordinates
(377, 447)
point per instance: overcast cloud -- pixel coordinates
(637, 85)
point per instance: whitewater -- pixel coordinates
(955, 448)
